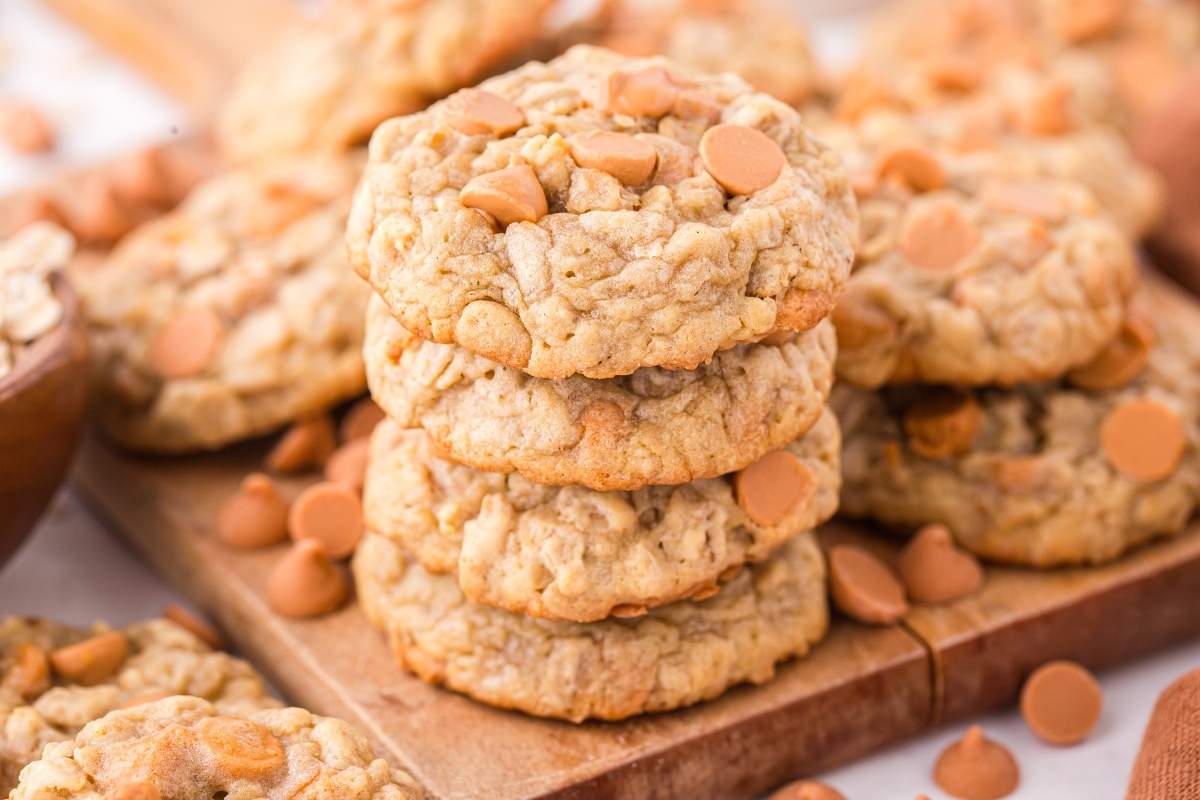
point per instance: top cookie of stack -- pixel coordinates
(596, 215)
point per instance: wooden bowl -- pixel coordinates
(42, 406)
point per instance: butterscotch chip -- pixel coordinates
(194, 625)
(943, 424)
(135, 791)
(255, 515)
(1143, 439)
(187, 343)
(24, 128)
(331, 513)
(348, 464)
(916, 166)
(28, 673)
(140, 177)
(360, 420)
(305, 583)
(771, 487)
(91, 661)
(475, 111)
(1024, 197)
(510, 195)
(937, 237)
(977, 768)
(743, 160)
(1048, 114)
(807, 790)
(629, 160)
(1080, 20)
(860, 321)
(240, 749)
(305, 445)
(934, 570)
(863, 587)
(647, 92)
(34, 207)
(1061, 702)
(1121, 361)
(96, 214)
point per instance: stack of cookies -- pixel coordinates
(1004, 373)
(600, 335)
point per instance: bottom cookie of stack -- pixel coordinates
(673, 656)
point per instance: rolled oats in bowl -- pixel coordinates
(28, 306)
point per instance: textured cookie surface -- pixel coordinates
(184, 747)
(231, 316)
(971, 271)
(1042, 475)
(655, 426)
(573, 553)
(37, 707)
(751, 39)
(673, 656)
(584, 273)
(325, 85)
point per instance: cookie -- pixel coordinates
(972, 273)
(46, 697)
(231, 316)
(652, 427)
(327, 83)
(673, 656)
(752, 39)
(598, 214)
(576, 554)
(1071, 472)
(186, 747)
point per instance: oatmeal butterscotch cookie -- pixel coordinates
(573, 553)
(325, 85)
(599, 214)
(29, 308)
(54, 679)
(184, 747)
(655, 426)
(753, 39)
(232, 315)
(971, 271)
(1047, 474)
(673, 656)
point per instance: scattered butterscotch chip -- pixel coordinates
(977, 768)
(91, 661)
(1121, 361)
(917, 167)
(35, 207)
(629, 160)
(1018, 473)
(28, 674)
(331, 513)
(348, 464)
(96, 215)
(1144, 439)
(944, 424)
(140, 177)
(255, 515)
(807, 790)
(771, 487)
(863, 587)
(512, 194)
(1047, 113)
(24, 128)
(1061, 702)
(187, 343)
(360, 420)
(145, 697)
(305, 445)
(476, 112)
(937, 236)
(860, 321)
(1083, 20)
(743, 160)
(194, 625)
(1023, 197)
(241, 748)
(305, 583)
(648, 92)
(934, 570)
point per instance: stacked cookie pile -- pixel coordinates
(1005, 374)
(600, 336)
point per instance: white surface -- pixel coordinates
(76, 571)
